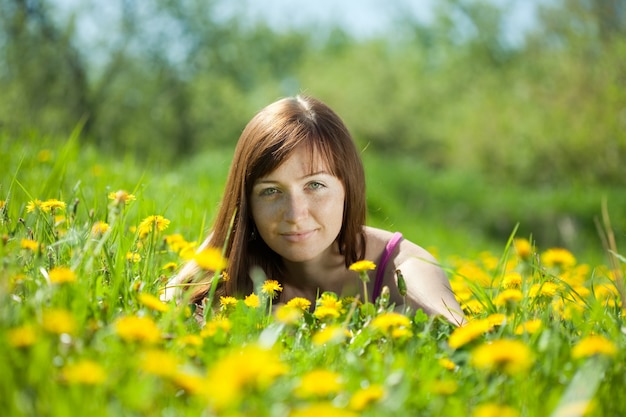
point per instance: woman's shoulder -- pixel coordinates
(377, 240)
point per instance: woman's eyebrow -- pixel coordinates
(312, 174)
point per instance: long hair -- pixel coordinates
(266, 142)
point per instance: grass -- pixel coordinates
(82, 327)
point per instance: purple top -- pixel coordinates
(380, 269)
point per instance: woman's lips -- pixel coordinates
(296, 237)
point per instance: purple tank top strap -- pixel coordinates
(384, 260)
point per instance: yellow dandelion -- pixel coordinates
(152, 302)
(252, 367)
(386, 322)
(52, 205)
(364, 397)
(330, 335)
(512, 279)
(35, 205)
(158, 362)
(215, 326)
(190, 340)
(508, 296)
(530, 327)
(494, 410)
(176, 242)
(447, 364)
(363, 266)
(299, 303)
(523, 248)
(99, 228)
(401, 333)
(469, 332)
(85, 372)
(323, 312)
(473, 307)
(170, 266)
(496, 319)
(271, 288)
(546, 289)
(330, 300)
(319, 383)
(594, 345)
(252, 301)
(444, 387)
(287, 314)
(325, 409)
(509, 356)
(210, 259)
(44, 155)
(133, 257)
(150, 224)
(121, 197)
(558, 257)
(228, 302)
(58, 321)
(191, 383)
(29, 244)
(137, 329)
(61, 275)
(3, 204)
(23, 336)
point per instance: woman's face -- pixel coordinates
(298, 208)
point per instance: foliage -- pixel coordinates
(82, 326)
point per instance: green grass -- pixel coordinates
(546, 335)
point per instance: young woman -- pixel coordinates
(294, 206)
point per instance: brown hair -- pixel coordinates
(266, 142)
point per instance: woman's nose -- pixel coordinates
(296, 208)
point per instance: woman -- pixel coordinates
(294, 205)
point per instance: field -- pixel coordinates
(88, 242)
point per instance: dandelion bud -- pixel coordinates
(401, 283)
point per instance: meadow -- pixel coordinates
(89, 241)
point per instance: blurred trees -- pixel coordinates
(175, 77)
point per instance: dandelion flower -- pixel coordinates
(176, 242)
(252, 301)
(121, 197)
(23, 336)
(58, 321)
(546, 289)
(170, 266)
(447, 364)
(494, 410)
(210, 259)
(322, 409)
(508, 296)
(61, 275)
(512, 280)
(218, 324)
(34, 205)
(154, 223)
(299, 303)
(52, 205)
(158, 362)
(133, 257)
(523, 248)
(594, 345)
(99, 228)
(330, 300)
(510, 356)
(137, 329)
(228, 302)
(558, 257)
(444, 387)
(152, 302)
(469, 332)
(319, 383)
(287, 314)
(530, 327)
(271, 287)
(323, 312)
(363, 266)
(29, 244)
(364, 397)
(330, 334)
(390, 321)
(85, 372)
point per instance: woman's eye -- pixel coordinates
(269, 191)
(316, 185)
